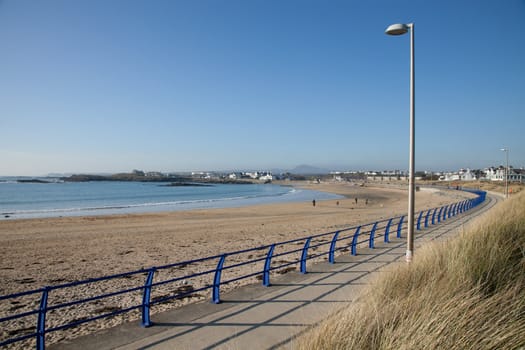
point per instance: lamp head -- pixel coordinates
(397, 29)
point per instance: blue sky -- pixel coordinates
(114, 85)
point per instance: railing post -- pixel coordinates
(304, 255)
(434, 216)
(331, 253)
(444, 218)
(353, 249)
(387, 231)
(372, 236)
(146, 298)
(400, 226)
(439, 214)
(216, 298)
(267, 266)
(426, 217)
(41, 321)
(418, 226)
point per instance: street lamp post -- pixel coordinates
(400, 29)
(506, 150)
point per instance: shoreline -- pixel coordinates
(282, 193)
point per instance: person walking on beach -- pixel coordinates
(355, 200)
(313, 202)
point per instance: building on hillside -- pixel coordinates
(266, 176)
(251, 175)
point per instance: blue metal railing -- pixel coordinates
(343, 240)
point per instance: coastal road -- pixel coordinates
(256, 317)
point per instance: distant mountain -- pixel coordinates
(308, 170)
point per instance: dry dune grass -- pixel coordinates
(465, 293)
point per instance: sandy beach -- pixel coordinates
(40, 252)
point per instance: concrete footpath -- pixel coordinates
(257, 317)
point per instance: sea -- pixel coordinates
(55, 198)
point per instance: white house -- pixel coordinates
(201, 175)
(494, 174)
(498, 174)
(461, 175)
(252, 175)
(266, 177)
(517, 175)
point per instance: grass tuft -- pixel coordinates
(464, 293)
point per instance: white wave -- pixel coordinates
(137, 205)
(285, 194)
